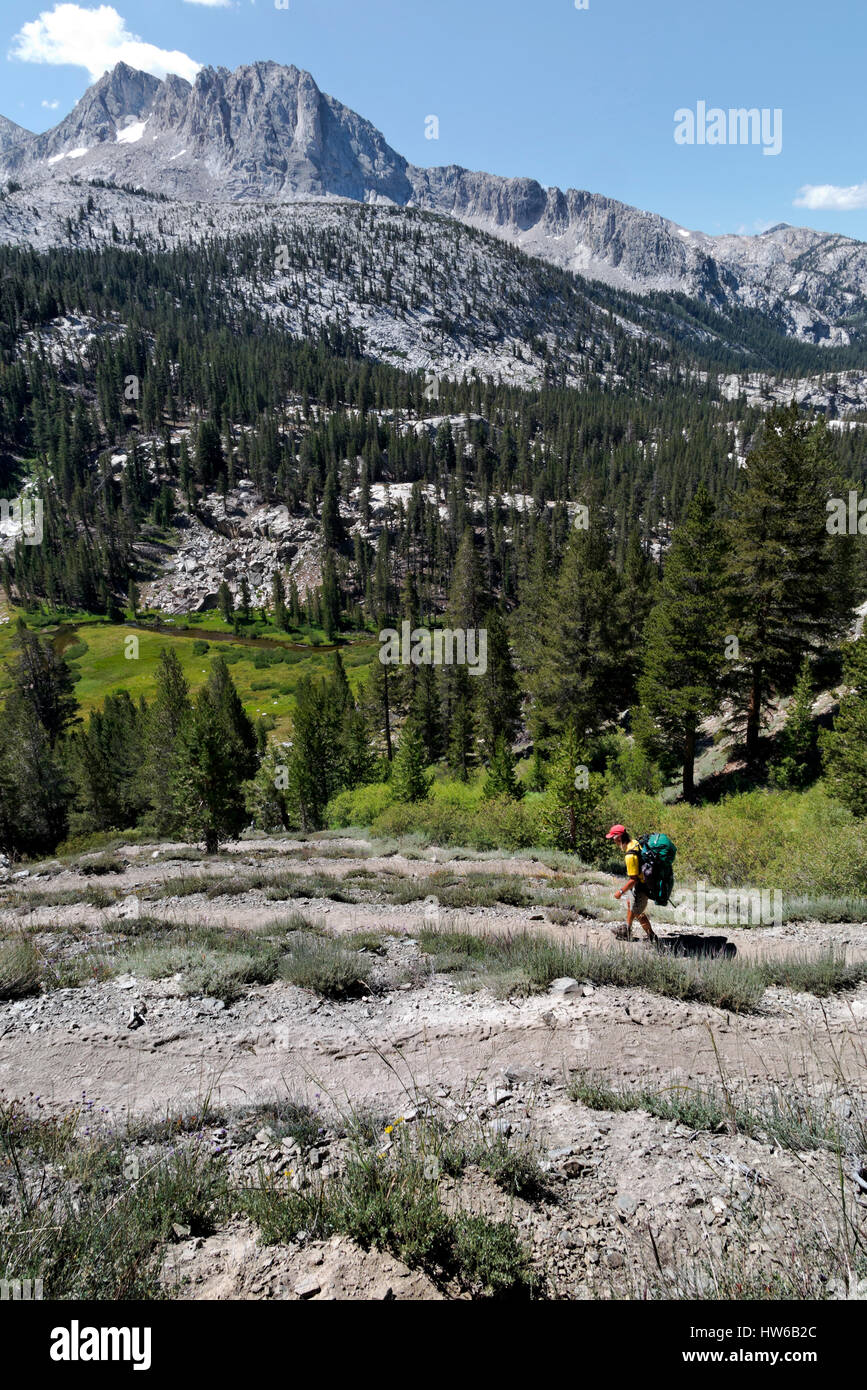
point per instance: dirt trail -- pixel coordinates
(431, 1031)
(279, 1040)
(147, 870)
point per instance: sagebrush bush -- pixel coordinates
(326, 967)
(226, 976)
(20, 970)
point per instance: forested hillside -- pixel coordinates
(643, 551)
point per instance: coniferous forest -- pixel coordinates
(643, 552)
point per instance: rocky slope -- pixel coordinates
(266, 131)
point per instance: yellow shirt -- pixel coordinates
(633, 860)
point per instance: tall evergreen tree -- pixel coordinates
(166, 716)
(43, 680)
(499, 699)
(315, 758)
(105, 760)
(208, 777)
(425, 711)
(34, 792)
(330, 597)
(409, 777)
(794, 762)
(244, 605)
(333, 529)
(844, 747)
(225, 602)
(501, 783)
(684, 638)
(579, 674)
(790, 580)
(238, 726)
(572, 808)
(278, 602)
(216, 755)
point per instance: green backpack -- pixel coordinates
(657, 867)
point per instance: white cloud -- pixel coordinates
(94, 39)
(830, 195)
(51, 105)
(211, 4)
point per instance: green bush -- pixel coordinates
(802, 843)
(799, 842)
(361, 806)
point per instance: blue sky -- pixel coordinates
(582, 98)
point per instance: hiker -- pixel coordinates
(637, 908)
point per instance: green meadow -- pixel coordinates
(103, 660)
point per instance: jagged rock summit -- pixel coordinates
(265, 132)
(262, 131)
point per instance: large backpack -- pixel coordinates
(657, 867)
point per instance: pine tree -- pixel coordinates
(581, 654)
(790, 585)
(498, 699)
(572, 808)
(637, 595)
(844, 747)
(225, 602)
(330, 598)
(458, 720)
(684, 637)
(501, 781)
(409, 778)
(166, 717)
(425, 711)
(466, 601)
(208, 777)
(34, 792)
(357, 761)
(244, 599)
(314, 761)
(265, 793)
(43, 680)
(794, 761)
(333, 529)
(376, 700)
(237, 725)
(278, 602)
(105, 760)
(209, 452)
(528, 620)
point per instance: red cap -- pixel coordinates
(615, 832)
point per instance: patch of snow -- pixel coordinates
(131, 133)
(69, 154)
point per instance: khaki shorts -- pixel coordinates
(640, 899)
